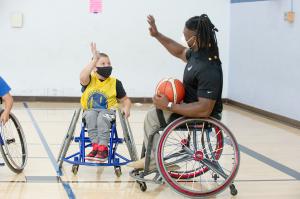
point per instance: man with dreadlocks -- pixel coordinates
(202, 79)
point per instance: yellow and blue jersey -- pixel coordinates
(100, 94)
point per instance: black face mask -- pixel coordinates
(104, 71)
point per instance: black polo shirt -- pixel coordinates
(203, 77)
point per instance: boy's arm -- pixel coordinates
(8, 104)
(86, 71)
(126, 104)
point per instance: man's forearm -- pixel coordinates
(191, 110)
(172, 46)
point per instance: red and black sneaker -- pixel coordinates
(102, 153)
(93, 153)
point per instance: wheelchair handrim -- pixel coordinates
(163, 171)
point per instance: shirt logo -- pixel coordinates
(189, 68)
(209, 92)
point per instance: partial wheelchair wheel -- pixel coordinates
(118, 171)
(13, 144)
(75, 168)
(68, 138)
(142, 185)
(203, 153)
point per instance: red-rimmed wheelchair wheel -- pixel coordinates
(201, 168)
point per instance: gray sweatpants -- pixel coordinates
(151, 126)
(98, 123)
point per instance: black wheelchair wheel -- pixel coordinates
(13, 145)
(142, 185)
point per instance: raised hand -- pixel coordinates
(152, 29)
(94, 51)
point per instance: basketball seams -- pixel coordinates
(161, 81)
(172, 88)
(172, 81)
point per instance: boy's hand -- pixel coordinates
(94, 51)
(126, 113)
(152, 29)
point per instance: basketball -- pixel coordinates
(172, 88)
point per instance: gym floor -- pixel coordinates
(269, 165)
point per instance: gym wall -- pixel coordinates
(45, 57)
(264, 57)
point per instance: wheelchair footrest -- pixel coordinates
(86, 139)
(118, 140)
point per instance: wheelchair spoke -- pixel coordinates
(175, 155)
(214, 167)
(213, 152)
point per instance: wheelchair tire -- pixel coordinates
(13, 144)
(68, 138)
(202, 156)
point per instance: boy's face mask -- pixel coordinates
(104, 71)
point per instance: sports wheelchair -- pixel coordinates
(204, 150)
(114, 159)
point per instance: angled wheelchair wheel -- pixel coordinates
(203, 153)
(68, 138)
(128, 137)
(13, 144)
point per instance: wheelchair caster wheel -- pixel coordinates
(75, 168)
(118, 171)
(143, 186)
(233, 190)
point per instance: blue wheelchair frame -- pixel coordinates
(114, 158)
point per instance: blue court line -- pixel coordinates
(66, 186)
(244, 1)
(291, 172)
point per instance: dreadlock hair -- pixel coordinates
(206, 34)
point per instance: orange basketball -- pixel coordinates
(172, 88)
